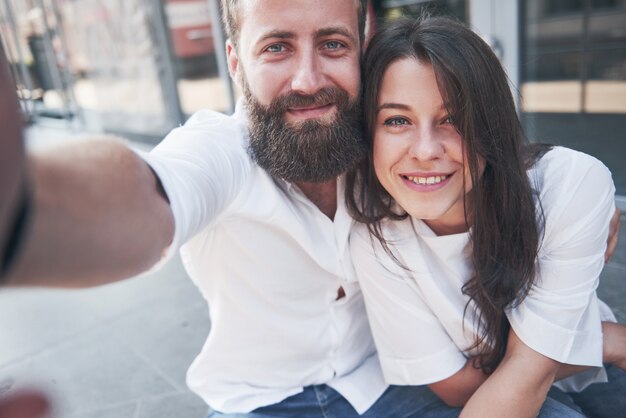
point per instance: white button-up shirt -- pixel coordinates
(270, 264)
(418, 315)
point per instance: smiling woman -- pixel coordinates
(419, 152)
(490, 246)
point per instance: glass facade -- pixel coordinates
(132, 67)
(199, 86)
(140, 67)
(573, 73)
(389, 9)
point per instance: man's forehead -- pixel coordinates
(293, 16)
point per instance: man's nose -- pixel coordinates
(308, 77)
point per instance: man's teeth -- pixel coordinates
(427, 180)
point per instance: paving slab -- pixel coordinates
(122, 411)
(169, 336)
(90, 372)
(174, 406)
(33, 320)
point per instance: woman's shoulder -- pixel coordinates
(574, 192)
(565, 172)
(566, 161)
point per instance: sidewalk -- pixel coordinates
(116, 351)
(122, 350)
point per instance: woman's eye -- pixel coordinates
(447, 120)
(396, 122)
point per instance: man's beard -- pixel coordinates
(311, 150)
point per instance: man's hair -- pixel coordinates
(230, 18)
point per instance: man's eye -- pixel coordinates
(396, 121)
(334, 45)
(275, 48)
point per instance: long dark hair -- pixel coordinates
(506, 226)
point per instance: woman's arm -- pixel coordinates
(614, 348)
(458, 388)
(518, 387)
(611, 243)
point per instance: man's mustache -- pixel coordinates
(322, 97)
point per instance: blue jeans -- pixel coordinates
(600, 400)
(322, 401)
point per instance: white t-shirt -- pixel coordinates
(417, 316)
(270, 264)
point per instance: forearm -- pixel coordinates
(11, 159)
(614, 350)
(614, 347)
(97, 217)
(456, 390)
(517, 388)
(502, 395)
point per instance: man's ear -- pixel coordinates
(233, 61)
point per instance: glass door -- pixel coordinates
(37, 50)
(107, 64)
(573, 74)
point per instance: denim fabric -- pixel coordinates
(604, 400)
(322, 401)
(553, 408)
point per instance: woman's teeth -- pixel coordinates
(426, 180)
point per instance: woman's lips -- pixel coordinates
(426, 182)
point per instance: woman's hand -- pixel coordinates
(25, 404)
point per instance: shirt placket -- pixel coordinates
(338, 240)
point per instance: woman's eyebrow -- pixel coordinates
(392, 105)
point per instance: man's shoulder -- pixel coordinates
(207, 131)
(208, 116)
(212, 123)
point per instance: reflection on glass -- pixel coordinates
(115, 53)
(396, 8)
(574, 77)
(199, 85)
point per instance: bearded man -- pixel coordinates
(255, 202)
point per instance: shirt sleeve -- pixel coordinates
(202, 167)
(413, 347)
(560, 318)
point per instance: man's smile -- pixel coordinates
(310, 112)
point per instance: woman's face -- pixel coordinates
(418, 154)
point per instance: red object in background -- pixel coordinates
(189, 22)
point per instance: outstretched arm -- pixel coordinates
(97, 216)
(11, 164)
